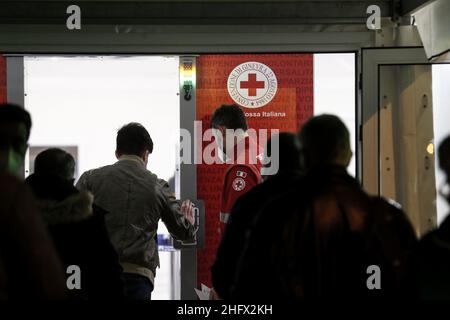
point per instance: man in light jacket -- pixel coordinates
(136, 200)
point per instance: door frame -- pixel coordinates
(371, 61)
(262, 39)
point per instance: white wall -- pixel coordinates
(334, 91)
(83, 101)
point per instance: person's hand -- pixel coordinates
(213, 295)
(187, 209)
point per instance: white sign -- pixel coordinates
(252, 84)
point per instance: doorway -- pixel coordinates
(79, 103)
(405, 118)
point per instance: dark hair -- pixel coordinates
(12, 113)
(322, 139)
(133, 139)
(55, 162)
(289, 152)
(444, 156)
(229, 116)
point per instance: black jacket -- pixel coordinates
(78, 231)
(29, 265)
(240, 223)
(432, 264)
(318, 239)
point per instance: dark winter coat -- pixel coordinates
(78, 231)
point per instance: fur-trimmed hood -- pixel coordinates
(74, 208)
(59, 201)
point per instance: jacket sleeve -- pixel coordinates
(82, 183)
(178, 226)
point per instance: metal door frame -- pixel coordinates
(371, 60)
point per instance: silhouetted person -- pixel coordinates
(444, 163)
(136, 200)
(248, 206)
(29, 266)
(318, 239)
(78, 230)
(433, 255)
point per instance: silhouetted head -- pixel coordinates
(15, 126)
(444, 157)
(134, 139)
(55, 162)
(227, 117)
(324, 140)
(288, 152)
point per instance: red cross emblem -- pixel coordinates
(252, 84)
(238, 184)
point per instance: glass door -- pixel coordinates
(405, 118)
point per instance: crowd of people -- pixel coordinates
(309, 231)
(105, 227)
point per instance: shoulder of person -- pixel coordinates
(12, 189)
(14, 195)
(73, 209)
(93, 172)
(384, 205)
(148, 175)
(269, 189)
(161, 182)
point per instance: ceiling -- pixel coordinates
(187, 12)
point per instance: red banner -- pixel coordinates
(275, 91)
(2, 79)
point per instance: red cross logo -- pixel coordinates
(252, 84)
(238, 184)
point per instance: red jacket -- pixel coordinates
(242, 174)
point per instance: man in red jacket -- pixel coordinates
(239, 152)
